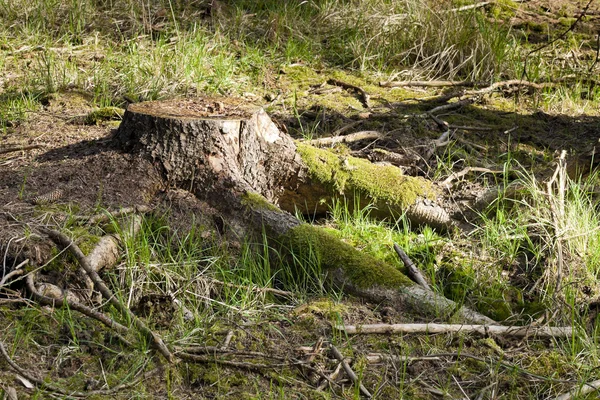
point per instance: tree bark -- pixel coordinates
(232, 155)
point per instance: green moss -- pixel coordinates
(104, 114)
(257, 201)
(351, 175)
(566, 22)
(361, 269)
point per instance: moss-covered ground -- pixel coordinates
(69, 69)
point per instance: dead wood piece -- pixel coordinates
(74, 393)
(251, 366)
(581, 390)
(413, 272)
(331, 378)
(20, 148)
(63, 241)
(364, 97)
(15, 272)
(515, 331)
(456, 175)
(336, 353)
(353, 137)
(227, 340)
(391, 84)
(73, 305)
(375, 358)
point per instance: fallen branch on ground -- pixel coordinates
(391, 84)
(71, 393)
(364, 97)
(63, 241)
(85, 310)
(108, 215)
(353, 137)
(581, 390)
(349, 372)
(20, 148)
(516, 331)
(456, 175)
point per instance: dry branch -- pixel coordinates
(456, 175)
(516, 331)
(413, 271)
(353, 137)
(364, 97)
(72, 393)
(391, 84)
(581, 390)
(336, 353)
(20, 148)
(66, 243)
(65, 302)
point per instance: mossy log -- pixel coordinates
(232, 155)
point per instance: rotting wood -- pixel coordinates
(516, 331)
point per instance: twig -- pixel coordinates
(375, 358)
(456, 175)
(85, 310)
(559, 37)
(349, 372)
(20, 148)
(238, 364)
(413, 271)
(332, 377)
(431, 84)
(581, 390)
(364, 97)
(353, 137)
(70, 393)
(517, 331)
(62, 240)
(16, 271)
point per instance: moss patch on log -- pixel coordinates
(362, 270)
(346, 174)
(258, 202)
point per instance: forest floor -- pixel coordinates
(66, 169)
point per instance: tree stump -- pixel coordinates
(233, 156)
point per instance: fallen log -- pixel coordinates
(233, 156)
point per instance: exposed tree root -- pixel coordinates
(74, 393)
(64, 242)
